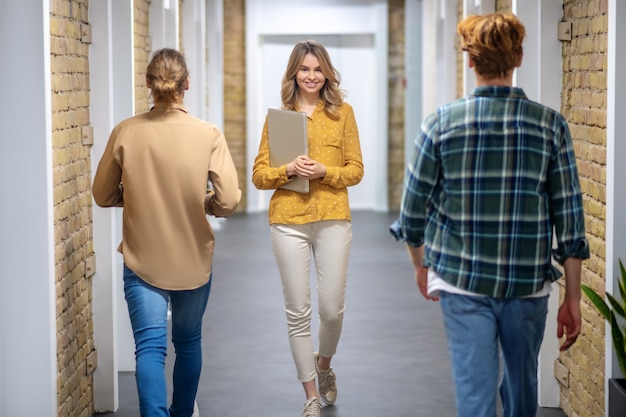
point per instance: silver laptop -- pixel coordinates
(287, 140)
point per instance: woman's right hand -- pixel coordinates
(299, 166)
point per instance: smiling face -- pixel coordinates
(309, 77)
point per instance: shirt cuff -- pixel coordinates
(580, 251)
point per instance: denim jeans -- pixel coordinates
(478, 329)
(147, 306)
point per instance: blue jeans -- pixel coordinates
(147, 306)
(476, 327)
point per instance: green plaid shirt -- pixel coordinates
(493, 176)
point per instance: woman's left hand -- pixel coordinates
(310, 169)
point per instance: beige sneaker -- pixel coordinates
(312, 408)
(326, 383)
(196, 411)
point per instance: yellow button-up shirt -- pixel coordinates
(334, 143)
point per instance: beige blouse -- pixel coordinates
(157, 165)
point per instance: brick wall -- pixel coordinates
(503, 6)
(72, 206)
(142, 51)
(583, 102)
(459, 52)
(180, 26)
(235, 89)
(396, 102)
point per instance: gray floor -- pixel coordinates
(392, 358)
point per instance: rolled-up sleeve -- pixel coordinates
(351, 172)
(224, 178)
(106, 188)
(566, 203)
(419, 184)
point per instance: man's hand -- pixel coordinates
(421, 274)
(568, 318)
(568, 322)
(421, 277)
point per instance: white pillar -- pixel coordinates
(164, 24)
(541, 78)
(112, 100)
(430, 17)
(195, 42)
(473, 7)
(28, 363)
(381, 165)
(413, 69)
(215, 76)
(615, 167)
(105, 279)
(439, 66)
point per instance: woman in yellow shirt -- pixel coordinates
(316, 222)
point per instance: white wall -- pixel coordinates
(615, 167)
(28, 367)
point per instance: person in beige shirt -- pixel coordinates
(168, 170)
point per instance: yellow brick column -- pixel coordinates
(235, 89)
(142, 46)
(396, 102)
(583, 102)
(72, 202)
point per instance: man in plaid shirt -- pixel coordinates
(492, 182)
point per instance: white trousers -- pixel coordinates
(329, 241)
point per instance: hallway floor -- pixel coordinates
(392, 359)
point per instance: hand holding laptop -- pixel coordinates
(305, 167)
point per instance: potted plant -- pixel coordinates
(613, 314)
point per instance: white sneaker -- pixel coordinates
(196, 411)
(326, 383)
(312, 408)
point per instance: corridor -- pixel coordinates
(392, 359)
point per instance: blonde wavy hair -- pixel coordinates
(494, 43)
(167, 76)
(330, 94)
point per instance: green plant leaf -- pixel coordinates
(622, 283)
(618, 343)
(597, 301)
(623, 368)
(617, 307)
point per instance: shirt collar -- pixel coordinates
(318, 107)
(165, 107)
(499, 91)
